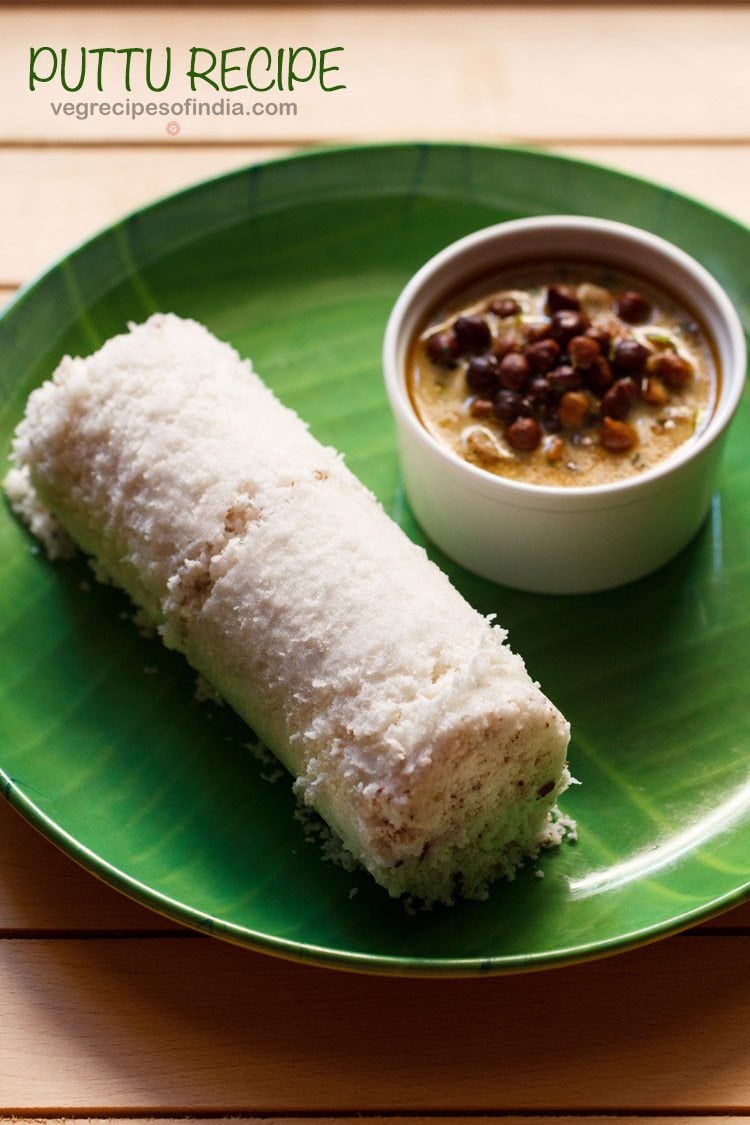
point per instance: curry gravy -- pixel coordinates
(563, 374)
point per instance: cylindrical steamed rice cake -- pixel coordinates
(407, 721)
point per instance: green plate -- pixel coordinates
(102, 745)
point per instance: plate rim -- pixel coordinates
(349, 960)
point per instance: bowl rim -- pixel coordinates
(413, 296)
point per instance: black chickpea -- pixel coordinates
(443, 349)
(508, 405)
(504, 308)
(561, 297)
(582, 351)
(619, 398)
(630, 356)
(540, 392)
(473, 334)
(672, 369)
(600, 376)
(483, 374)
(601, 336)
(565, 378)
(524, 434)
(543, 355)
(617, 436)
(567, 323)
(573, 409)
(632, 307)
(481, 408)
(514, 370)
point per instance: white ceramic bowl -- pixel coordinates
(561, 540)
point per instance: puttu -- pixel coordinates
(405, 718)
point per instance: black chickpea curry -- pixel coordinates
(563, 374)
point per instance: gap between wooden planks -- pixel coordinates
(52, 198)
(174, 1026)
(411, 1119)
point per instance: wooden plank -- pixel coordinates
(410, 1119)
(92, 187)
(176, 1026)
(718, 175)
(521, 71)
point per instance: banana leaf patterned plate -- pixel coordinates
(102, 744)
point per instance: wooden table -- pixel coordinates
(106, 1009)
